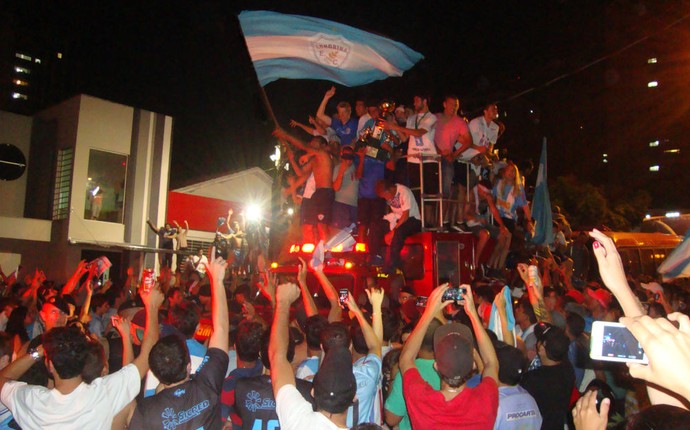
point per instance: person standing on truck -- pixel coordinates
(403, 221)
(322, 168)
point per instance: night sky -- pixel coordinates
(188, 59)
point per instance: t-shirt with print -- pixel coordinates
(475, 407)
(307, 368)
(517, 409)
(402, 201)
(192, 405)
(295, 413)
(395, 403)
(347, 132)
(373, 171)
(367, 371)
(483, 134)
(425, 143)
(89, 406)
(507, 202)
(227, 395)
(256, 405)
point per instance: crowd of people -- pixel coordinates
(488, 356)
(278, 353)
(382, 171)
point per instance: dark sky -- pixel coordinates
(188, 59)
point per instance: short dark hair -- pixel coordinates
(184, 317)
(169, 358)
(312, 329)
(383, 185)
(334, 335)
(95, 361)
(97, 300)
(575, 324)
(428, 340)
(66, 348)
(359, 343)
(265, 340)
(527, 308)
(248, 341)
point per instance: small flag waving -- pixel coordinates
(302, 47)
(541, 206)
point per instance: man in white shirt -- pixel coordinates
(403, 221)
(485, 129)
(74, 404)
(334, 384)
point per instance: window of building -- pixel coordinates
(654, 168)
(22, 56)
(23, 70)
(672, 151)
(652, 84)
(59, 55)
(18, 96)
(654, 144)
(63, 179)
(37, 60)
(105, 186)
(651, 60)
(20, 83)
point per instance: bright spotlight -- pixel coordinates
(253, 213)
(290, 211)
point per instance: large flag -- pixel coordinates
(541, 205)
(302, 47)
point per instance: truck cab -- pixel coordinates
(429, 259)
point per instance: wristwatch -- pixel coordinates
(35, 355)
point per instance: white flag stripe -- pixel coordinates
(361, 57)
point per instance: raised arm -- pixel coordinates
(281, 369)
(308, 301)
(321, 111)
(152, 299)
(123, 326)
(20, 366)
(373, 341)
(151, 226)
(304, 127)
(500, 301)
(375, 296)
(284, 135)
(74, 279)
(219, 304)
(486, 348)
(336, 313)
(536, 294)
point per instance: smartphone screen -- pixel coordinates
(614, 342)
(421, 301)
(343, 296)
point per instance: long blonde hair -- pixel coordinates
(518, 183)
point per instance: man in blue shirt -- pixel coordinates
(344, 125)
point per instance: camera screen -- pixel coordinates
(620, 343)
(343, 296)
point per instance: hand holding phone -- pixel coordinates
(455, 294)
(614, 342)
(342, 297)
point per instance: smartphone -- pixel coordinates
(454, 294)
(343, 293)
(614, 342)
(421, 301)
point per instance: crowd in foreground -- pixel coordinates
(493, 357)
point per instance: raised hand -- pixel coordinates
(122, 325)
(435, 302)
(585, 414)
(287, 293)
(610, 263)
(667, 349)
(376, 296)
(330, 93)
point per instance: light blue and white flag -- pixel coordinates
(302, 47)
(541, 205)
(677, 264)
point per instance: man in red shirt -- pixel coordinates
(455, 405)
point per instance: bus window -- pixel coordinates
(648, 263)
(631, 261)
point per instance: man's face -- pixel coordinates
(550, 301)
(491, 111)
(373, 111)
(360, 108)
(344, 113)
(102, 309)
(405, 296)
(418, 103)
(315, 143)
(451, 105)
(176, 298)
(53, 316)
(386, 195)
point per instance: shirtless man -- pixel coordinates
(322, 168)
